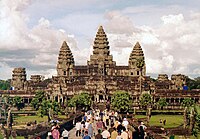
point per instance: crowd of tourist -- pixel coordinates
(108, 125)
(101, 125)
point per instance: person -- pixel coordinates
(85, 117)
(142, 129)
(124, 134)
(161, 121)
(135, 133)
(65, 134)
(105, 133)
(55, 125)
(49, 135)
(111, 129)
(119, 135)
(78, 129)
(87, 123)
(86, 135)
(99, 136)
(125, 123)
(142, 125)
(114, 133)
(55, 133)
(120, 127)
(164, 122)
(90, 129)
(99, 125)
(83, 129)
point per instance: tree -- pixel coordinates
(145, 100)
(82, 100)
(37, 100)
(187, 104)
(193, 83)
(197, 121)
(18, 102)
(44, 108)
(4, 85)
(162, 103)
(8, 100)
(140, 64)
(55, 107)
(121, 101)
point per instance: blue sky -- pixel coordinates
(32, 32)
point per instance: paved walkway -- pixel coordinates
(72, 134)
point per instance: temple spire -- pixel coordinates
(101, 53)
(65, 60)
(135, 55)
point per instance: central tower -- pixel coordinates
(101, 62)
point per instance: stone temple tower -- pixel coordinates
(101, 62)
(18, 78)
(136, 54)
(65, 63)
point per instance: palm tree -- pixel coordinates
(140, 65)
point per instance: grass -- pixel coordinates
(140, 116)
(171, 120)
(62, 116)
(191, 137)
(25, 119)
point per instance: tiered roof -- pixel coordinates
(65, 54)
(101, 52)
(136, 52)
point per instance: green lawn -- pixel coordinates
(191, 137)
(171, 120)
(25, 119)
(140, 116)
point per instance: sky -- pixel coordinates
(32, 32)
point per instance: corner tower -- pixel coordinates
(101, 62)
(65, 63)
(18, 78)
(136, 62)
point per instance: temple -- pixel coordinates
(101, 77)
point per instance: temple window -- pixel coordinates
(64, 73)
(138, 72)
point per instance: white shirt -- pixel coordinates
(65, 133)
(78, 126)
(125, 123)
(105, 134)
(86, 125)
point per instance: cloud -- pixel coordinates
(35, 48)
(172, 47)
(118, 23)
(32, 38)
